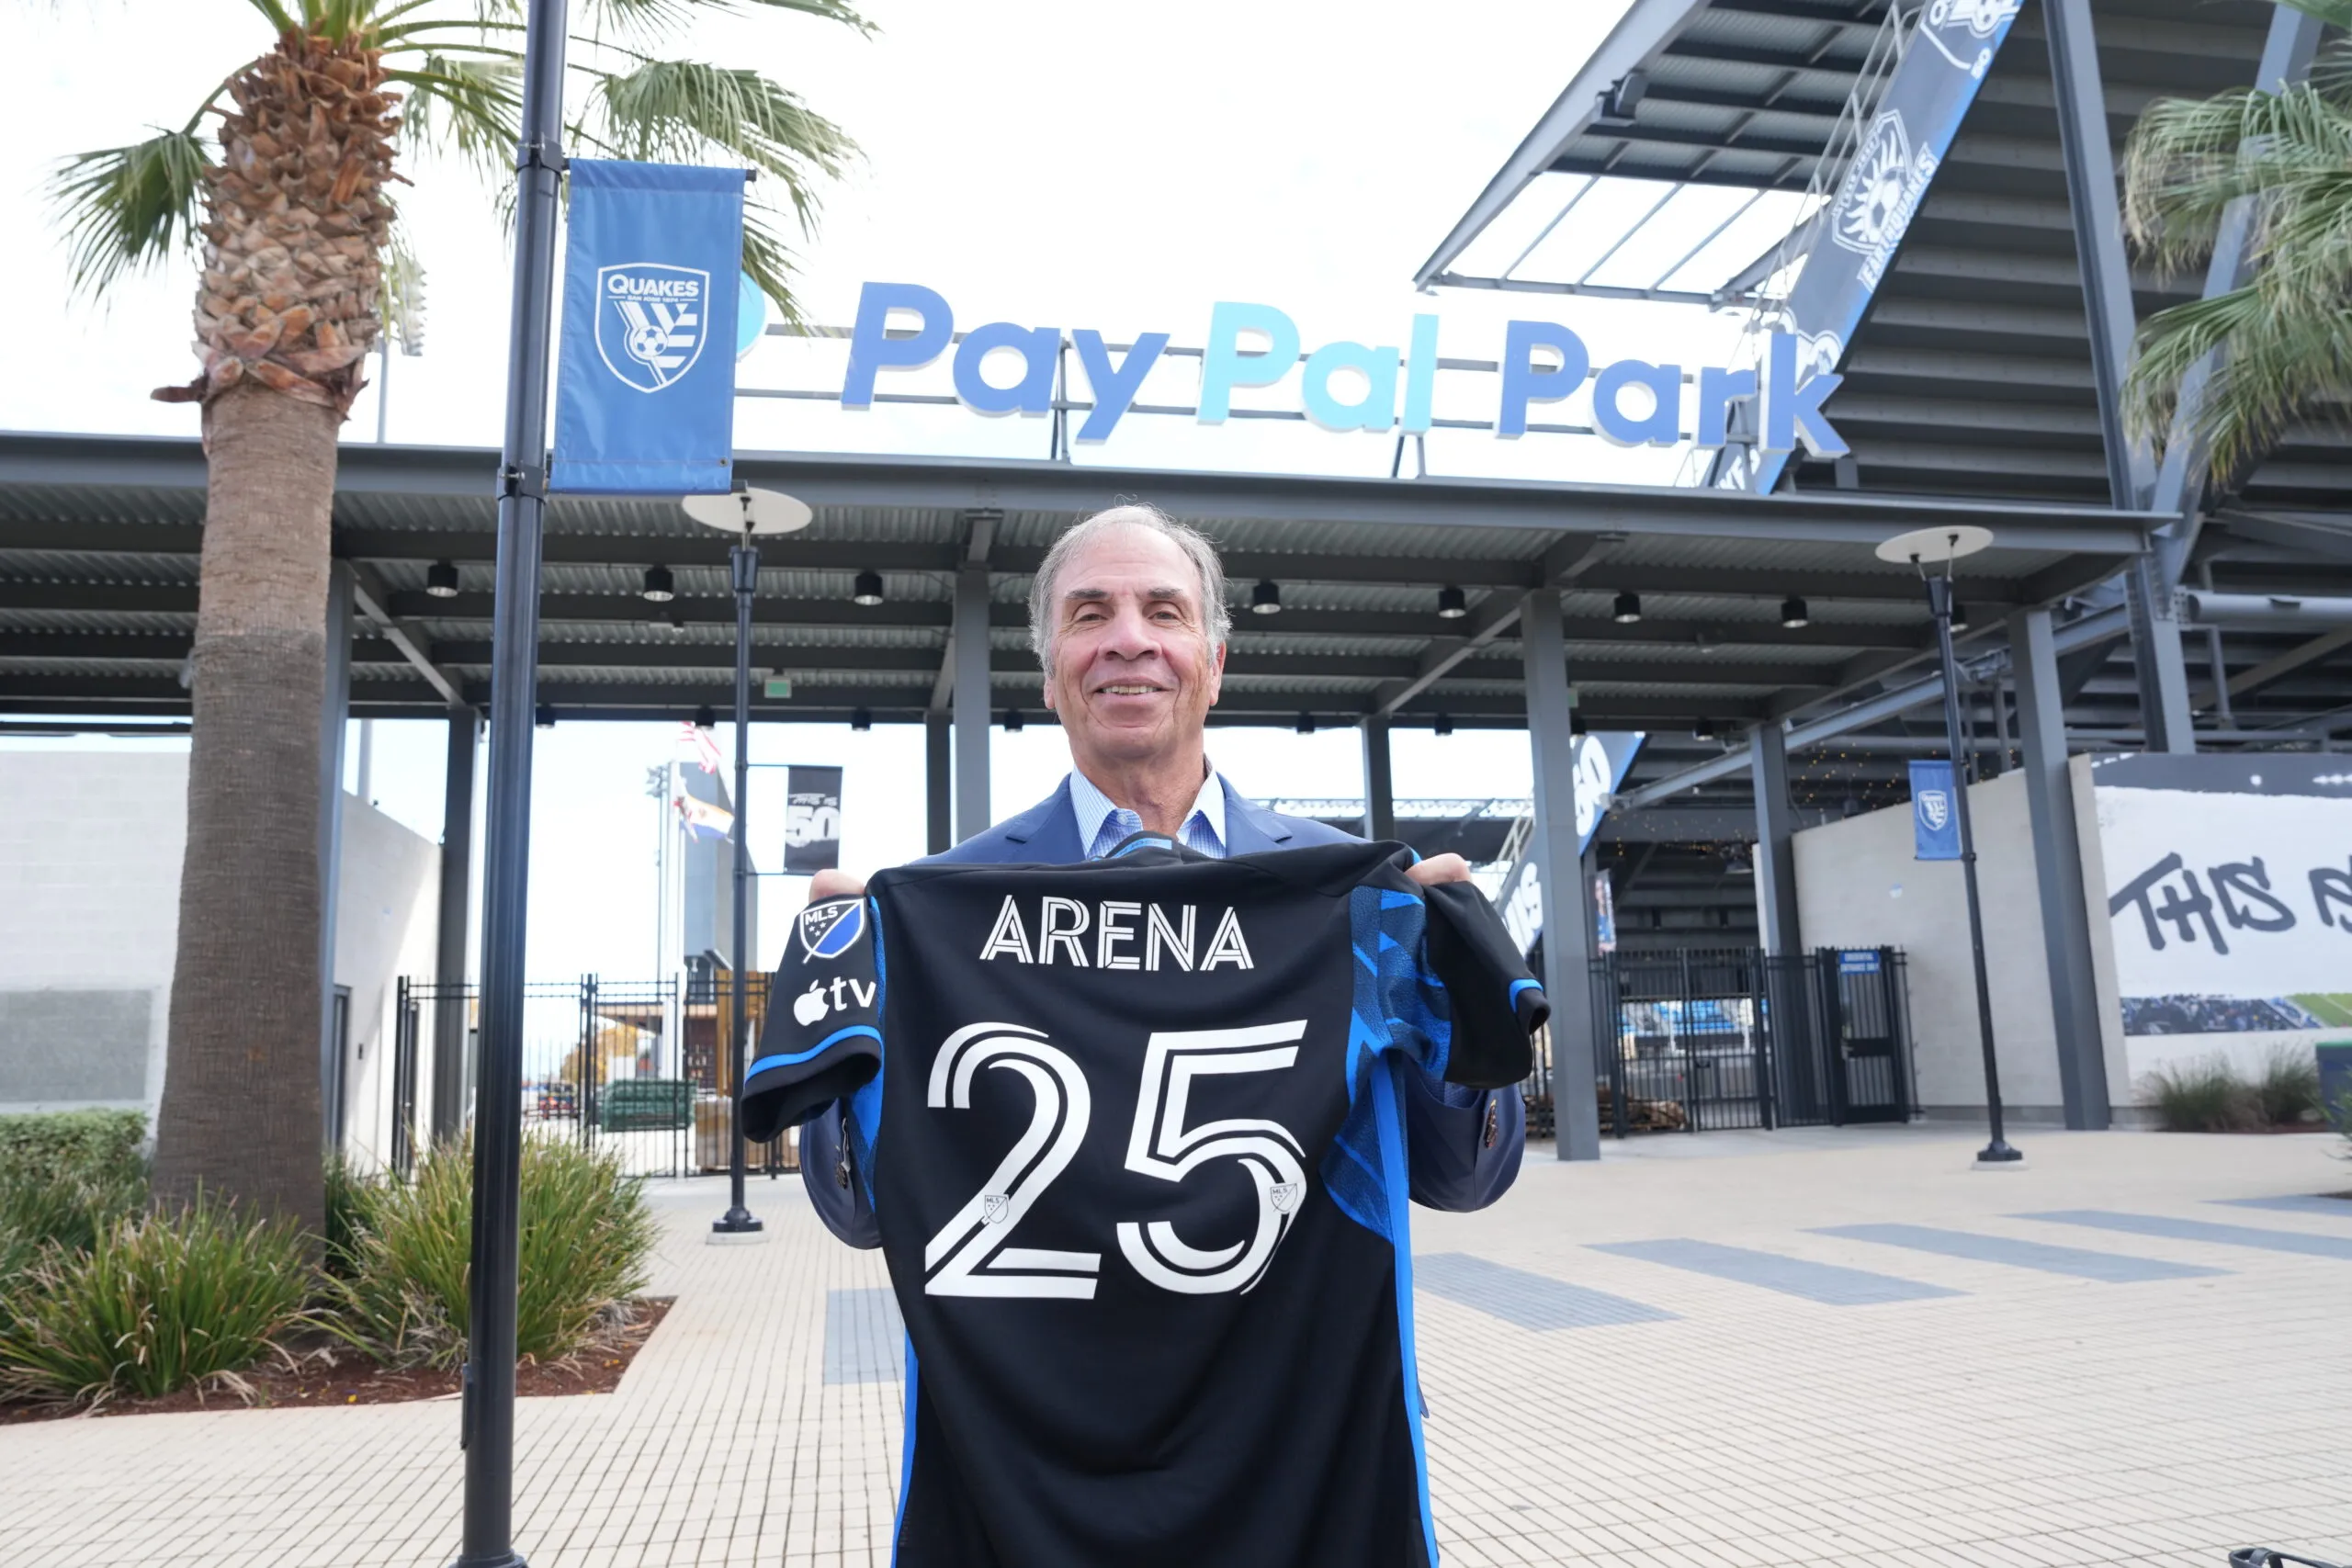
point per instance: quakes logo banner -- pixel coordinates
(644, 405)
(1855, 237)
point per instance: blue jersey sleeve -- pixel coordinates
(1451, 990)
(822, 1041)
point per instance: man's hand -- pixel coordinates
(1428, 872)
(842, 885)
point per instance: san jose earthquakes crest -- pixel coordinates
(651, 321)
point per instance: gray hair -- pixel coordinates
(1216, 616)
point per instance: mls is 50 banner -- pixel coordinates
(645, 397)
(813, 820)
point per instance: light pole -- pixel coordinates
(486, 1420)
(1942, 546)
(746, 514)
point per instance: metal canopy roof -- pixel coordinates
(1971, 375)
(99, 539)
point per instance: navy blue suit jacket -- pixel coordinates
(1463, 1145)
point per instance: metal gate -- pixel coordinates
(1695, 1040)
(633, 1067)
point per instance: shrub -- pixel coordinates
(2204, 1096)
(350, 1191)
(587, 1236)
(2288, 1087)
(161, 1302)
(103, 1146)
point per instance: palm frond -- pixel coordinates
(402, 308)
(2189, 159)
(126, 208)
(685, 111)
(2269, 373)
(466, 108)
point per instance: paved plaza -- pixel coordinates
(1732, 1349)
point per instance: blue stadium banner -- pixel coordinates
(1935, 816)
(645, 404)
(1855, 237)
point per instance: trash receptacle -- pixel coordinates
(2335, 1083)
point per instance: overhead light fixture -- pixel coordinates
(705, 718)
(1628, 610)
(678, 624)
(861, 721)
(1624, 97)
(660, 587)
(1443, 726)
(1793, 612)
(1958, 615)
(547, 715)
(441, 580)
(1011, 721)
(1307, 724)
(1576, 724)
(1452, 603)
(868, 591)
(1266, 599)
(1702, 730)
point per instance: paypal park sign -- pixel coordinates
(1344, 385)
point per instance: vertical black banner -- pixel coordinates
(813, 820)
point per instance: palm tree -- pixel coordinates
(2283, 342)
(284, 171)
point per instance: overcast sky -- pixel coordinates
(1047, 161)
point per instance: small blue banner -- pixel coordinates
(645, 397)
(1857, 961)
(1935, 813)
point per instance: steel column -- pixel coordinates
(1776, 853)
(971, 657)
(2058, 871)
(1379, 790)
(2107, 307)
(938, 784)
(487, 1422)
(334, 723)
(448, 1113)
(1568, 909)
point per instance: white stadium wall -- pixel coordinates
(90, 849)
(1858, 886)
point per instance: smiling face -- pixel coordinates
(1133, 674)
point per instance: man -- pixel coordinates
(1128, 618)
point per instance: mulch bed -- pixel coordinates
(333, 1374)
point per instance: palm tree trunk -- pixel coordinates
(241, 1116)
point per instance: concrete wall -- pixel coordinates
(1858, 886)
(90, 849)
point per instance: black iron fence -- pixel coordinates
(1700, 1039)
(633, 1067)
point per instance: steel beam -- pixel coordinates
(1567, 910)
(1379, 787)
(373, 601)
(969, 657)
(2058, 871)
(1776, 854)
(448, 1105)
(939, 833)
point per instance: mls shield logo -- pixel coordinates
(827, 930)
(1935, 810)
(993, 1206)
(651, 321)
(1283, 1196)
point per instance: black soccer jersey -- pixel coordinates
(1131, 1130)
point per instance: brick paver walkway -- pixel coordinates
(1729, 1350)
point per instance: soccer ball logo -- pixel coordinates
(1935, 810)
(651, 321)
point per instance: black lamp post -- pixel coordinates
(1922, 549)
(747, 514)
(486, 1417)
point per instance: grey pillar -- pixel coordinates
(2058, 871)
(448, 1116)
(938, 784)
(333, 716)
(971, 655)
(1776, 853)
(1379, 789)
(2107, 301)
(1567, 916)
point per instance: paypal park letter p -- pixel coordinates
(645, 404)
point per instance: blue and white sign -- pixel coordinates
(1857, 961)
(1602, 762)
(648, 282)
(1935, 812)
(1342, 386)
(1950, 48)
